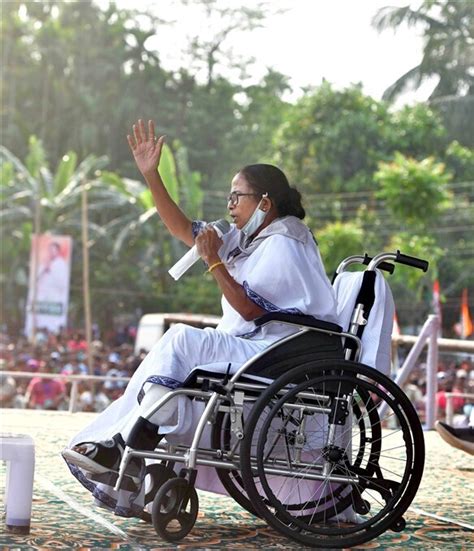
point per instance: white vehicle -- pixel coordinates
(151, 327)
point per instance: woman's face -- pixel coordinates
(246, 204)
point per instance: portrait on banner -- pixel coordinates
(48, 292)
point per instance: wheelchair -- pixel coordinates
(326, 449)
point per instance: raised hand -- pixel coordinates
(146, 149)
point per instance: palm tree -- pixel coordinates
(448, 51)
(124, 245)
(33, 199)
(25, 186)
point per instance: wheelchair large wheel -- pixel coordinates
(338, 451)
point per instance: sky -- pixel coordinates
(311, 40)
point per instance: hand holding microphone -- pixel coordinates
(192, 256)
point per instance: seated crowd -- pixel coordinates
(453, 377)
(64, 354)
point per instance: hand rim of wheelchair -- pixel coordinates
(336, 379)
(232, 479)
(170, 497)
(272, 498)
(358, 374)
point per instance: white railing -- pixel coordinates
(428, 336)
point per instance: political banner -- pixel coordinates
(48, 291)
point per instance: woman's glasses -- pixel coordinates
(234, 196)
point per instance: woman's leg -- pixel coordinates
(165, 368)
(152, 396)
(143, 433)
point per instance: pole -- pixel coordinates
(413, 355)
(34, 268)
(85, 276)
(431, 373)
(449, 408)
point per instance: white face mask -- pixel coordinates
(253, 223)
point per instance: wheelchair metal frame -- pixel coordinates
(228, 394)
(191, 459)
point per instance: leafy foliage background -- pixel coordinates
(76, 76)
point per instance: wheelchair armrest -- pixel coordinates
(298, 319)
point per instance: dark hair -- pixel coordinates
(269, 179)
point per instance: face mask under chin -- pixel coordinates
(252, 225)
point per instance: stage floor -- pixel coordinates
(441, 517)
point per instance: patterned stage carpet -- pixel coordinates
(63, 517)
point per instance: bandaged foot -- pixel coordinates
(101, 457)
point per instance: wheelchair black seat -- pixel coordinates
(310, 345)
(298, 319)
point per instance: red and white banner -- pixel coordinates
(48, 291)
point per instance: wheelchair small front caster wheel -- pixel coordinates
(398, 525)
(175, 509)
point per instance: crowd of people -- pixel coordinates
(64, 354)
(455, 377)
(113, 357)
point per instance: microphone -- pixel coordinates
(192, 256)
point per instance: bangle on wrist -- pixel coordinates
(220, 263)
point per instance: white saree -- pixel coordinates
(281, 271)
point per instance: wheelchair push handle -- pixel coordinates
(400, 258)
(412, 261)
(385, 266)
(359, 259)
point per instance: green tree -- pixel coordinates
(338, 241)
(415, 192)
(411, 287)
(448, 50)
(94, 72)
(333, 140)
(79, 60)
(130, 250)
(460, 161)
(262, 111)
(29, 189)
(209, 51)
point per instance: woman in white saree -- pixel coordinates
(268, 261)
